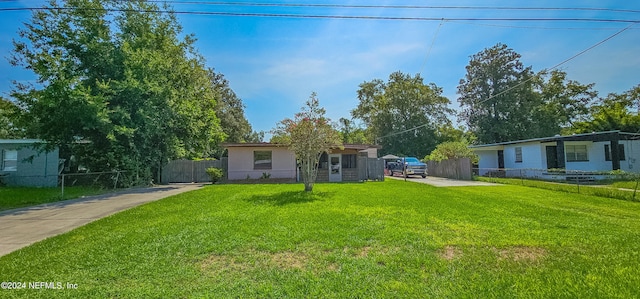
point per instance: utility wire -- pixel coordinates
(224, 3)
(523, 82)
(559, 64)
(311, 16)
(433, 41)
(538, 27)
(401, 132)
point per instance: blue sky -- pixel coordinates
(274, 64)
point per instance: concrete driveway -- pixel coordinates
(25, 226)
(442, 182)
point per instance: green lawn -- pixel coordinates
(18, 197)
(391, 239)
(626, 184)
(610, 189)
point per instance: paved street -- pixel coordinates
(25, 226)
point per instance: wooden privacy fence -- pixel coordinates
(459, 169)
(370, 169)
(189, 171)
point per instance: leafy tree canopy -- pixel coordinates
(117, 76)
(452, 150)
(230, 110)
(351, 133)
(9, 120)
(564, 102)
(497, 97)
(447, 132)
(255, 137)
(308, 135)
(391, 109)
(615, 112)
(502, 100)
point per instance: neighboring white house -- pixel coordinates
(255, 160)
(22, 165)
(580, 152)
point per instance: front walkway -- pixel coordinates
(25, 226)
(442, 182)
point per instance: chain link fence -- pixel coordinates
(108, 180)
(613, 184)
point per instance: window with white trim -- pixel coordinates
(519, 154)
(576, 153)
(10, 160)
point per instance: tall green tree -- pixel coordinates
(9, 120)
(447, 132)
(351, 133)
(230, 110)
(117, 86)
(403, 114)
(309, 134)
(615, 112)
(497, 96)
(255, 137)
(564, 102)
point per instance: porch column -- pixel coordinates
(560, 154)
(615, 153)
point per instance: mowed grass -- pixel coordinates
(18, 197)
(392, 239)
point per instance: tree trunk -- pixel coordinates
(308, 187)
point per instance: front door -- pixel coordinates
(335, 168)
(552, 157)
(500, 159)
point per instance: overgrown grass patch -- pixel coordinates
(18, 197)
(631, 184)
(390, 239)
(610, 190)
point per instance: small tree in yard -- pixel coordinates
(452, 150)
(308, 135)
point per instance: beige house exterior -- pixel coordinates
(253, 160)
(256, 160)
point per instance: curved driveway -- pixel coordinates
(25, 226)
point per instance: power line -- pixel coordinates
(433, 41)
(401, 132)
(559, 64)
(266, 4)
(311, 16)
(263, 4)
(538, 27)
(523, 82)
